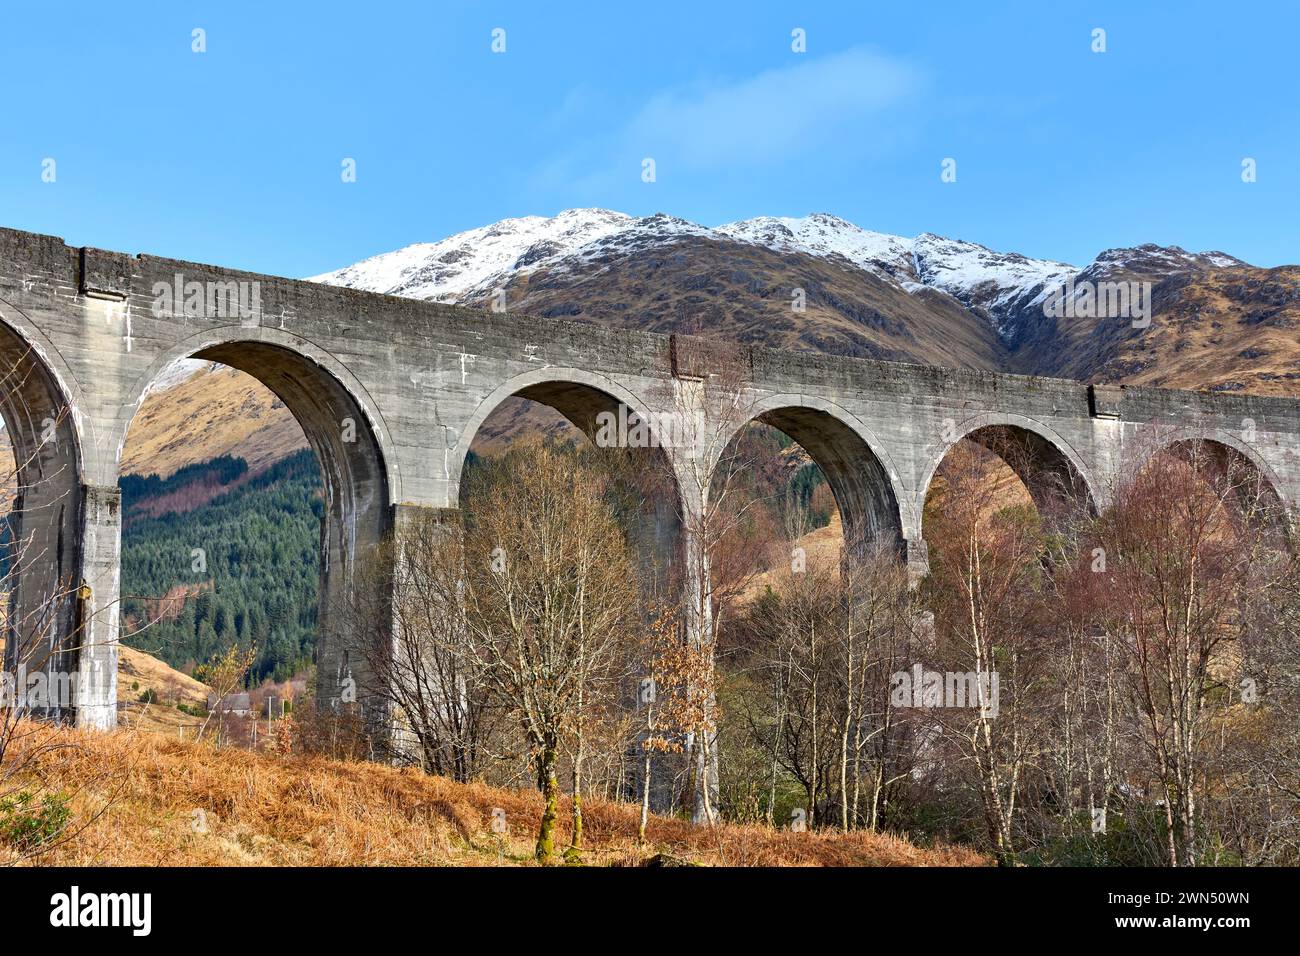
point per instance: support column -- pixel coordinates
(61, 636)
(99, 608)
(916, 555)
(408, 519)
(697, 601)
(352, 653)
(40, 567)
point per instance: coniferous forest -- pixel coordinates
(241, 568)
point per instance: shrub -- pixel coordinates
(27, 823)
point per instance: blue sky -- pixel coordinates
(234, 155)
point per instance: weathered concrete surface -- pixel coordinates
(391, 391)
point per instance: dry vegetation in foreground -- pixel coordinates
(135, 795)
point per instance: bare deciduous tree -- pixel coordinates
(440, 717)
(985, 590)
(548, 590)
(1195, 562)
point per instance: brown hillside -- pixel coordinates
(1233, 329)
(209, 414)
(148, 800)
(138, 672)
(743, 292)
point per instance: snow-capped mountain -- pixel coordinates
(472, 263)
(997, 286)
(1152, 260)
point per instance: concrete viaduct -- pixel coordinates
(390, 392)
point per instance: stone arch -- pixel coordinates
(1050, 468)
(36, 402)
(580, 396)
(230, 339)
(1232, 451)
(352, 444)
(42, 551)
(859, 470)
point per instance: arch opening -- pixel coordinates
(600, 428)
(858, 480)
(1010, 465)
(1247, 493)
(253, 487)
(590, 428)
(814, 567)
(40, 498)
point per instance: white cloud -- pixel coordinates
(776, 114)
(850, 102)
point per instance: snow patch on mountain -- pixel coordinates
(454, 268)
(636, 235)
(1150, 259)
(967, 270)
(1000, 284)
(827, 236)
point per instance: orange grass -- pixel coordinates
(143, 799)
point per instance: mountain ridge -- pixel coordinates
(471, 264)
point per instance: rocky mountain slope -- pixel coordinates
(1217, 323)
(816, 282)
